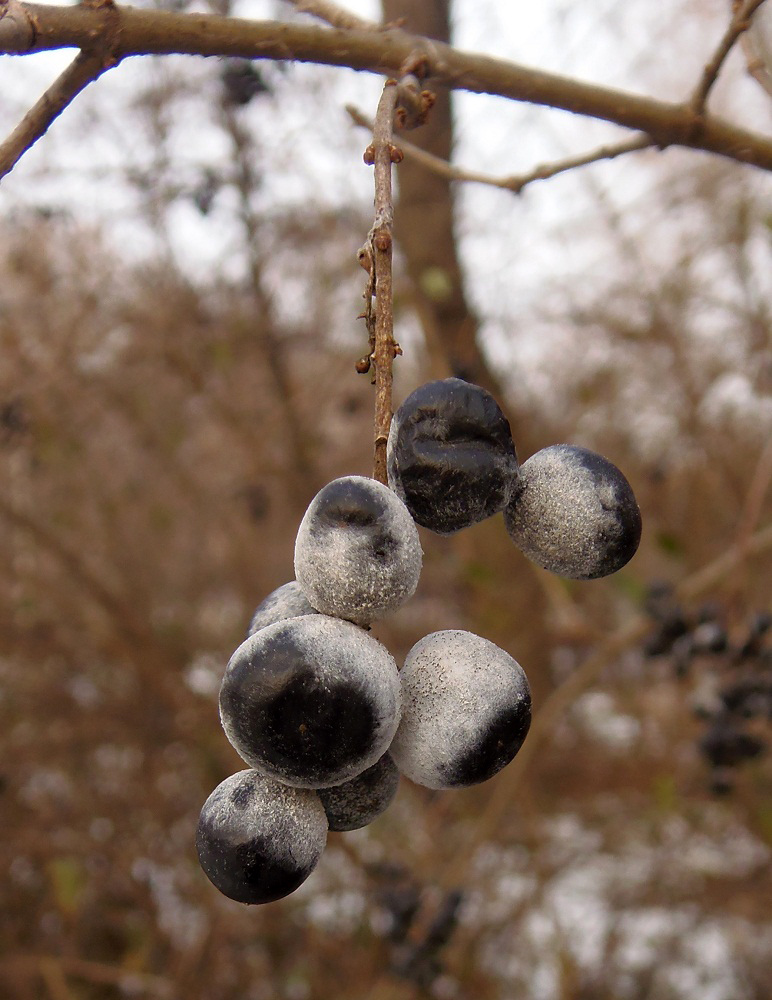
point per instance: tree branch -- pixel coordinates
(83, 70)
(146, 32)
(741, 21)
(377, 253)
(514, 182)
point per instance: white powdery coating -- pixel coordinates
(395, 483)
(454, 685)
(336, 566)
(565, 518)
(341, 652)
(291, 821)
(287, 601)
(356, 803)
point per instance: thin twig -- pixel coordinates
(378, 253)
(333, 14)
(741, 21)
(513, 182)
(83, 70)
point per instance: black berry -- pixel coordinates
(312, 701)
(358, 802)
(451, 457)
(466, 709)
(357, 553)
(287, 601)
(574, 513)
(258, 840)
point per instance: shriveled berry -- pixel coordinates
(312, 701)
(450, 455)
(357, 552)
(574, 513)
(358, 802)
(466, 709)
(258, 840)
(287, 601)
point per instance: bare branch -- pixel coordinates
(145, 32)
(96, 56)
(83, 70)
(741, 21)
(514, 182)
(378, 254)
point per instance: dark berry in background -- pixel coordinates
(357, 552)
(287, 601)
(451, 457)
(466, 709)
(259, 840)
(312, 701)
(356, 803)
(574, 513)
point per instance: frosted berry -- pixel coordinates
(311, 701)
(357, 553)
(258, 840)
(287, 601)
(466, 709)
(450, 455)
(574, 514)
(358, 802)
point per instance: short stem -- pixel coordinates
(383, 154)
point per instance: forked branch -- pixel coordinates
(158, 32)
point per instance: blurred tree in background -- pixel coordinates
(178, 338)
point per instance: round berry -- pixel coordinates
(574, 514)
(466, 709)
(311, 701)
(450, 455)
(287, 601)
(358, 802)
(258, 840)
(357, 553)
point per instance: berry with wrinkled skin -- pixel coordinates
(287, 601)
(311, 701)
(574, 513)
(466, 709)
(258, 840)
(450, 455)
(357, 552)
(356, 803)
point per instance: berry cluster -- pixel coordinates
(731, 672)
(317, 707)
(452, 460)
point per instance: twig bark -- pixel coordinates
(377, 253)
(741, 21)
(83, 70)
(146, 32)
(514, 182)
